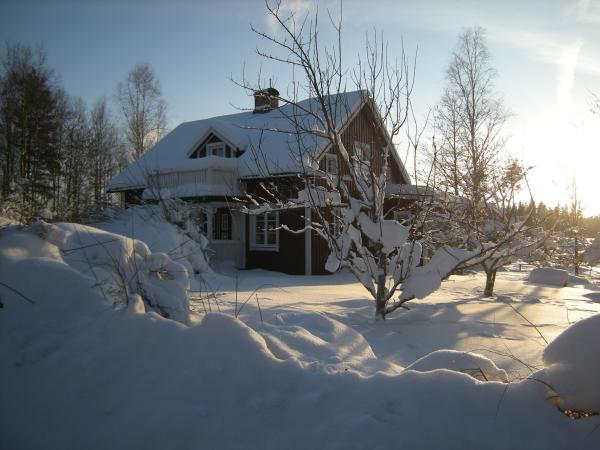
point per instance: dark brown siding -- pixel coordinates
(365, 128)
(320, 252)
(290, 257)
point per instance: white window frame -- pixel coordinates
(210, 149)
(331, 158)
(264, 247)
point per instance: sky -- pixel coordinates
(546, 54)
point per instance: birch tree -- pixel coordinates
(476, 117)
(143, 108)
(105, 155)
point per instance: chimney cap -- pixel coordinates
(268, 92)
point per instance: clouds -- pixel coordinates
(587, 11)
(288, 8)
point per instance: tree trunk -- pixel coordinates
(576, 255)
(490, 279)
(381, 299)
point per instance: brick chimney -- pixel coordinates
(265, 100)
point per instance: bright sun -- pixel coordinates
(562, 149)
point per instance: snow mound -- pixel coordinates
(473, 364)
(147, 223)
(322, 343)
(78, 374)
(578, 281)
(549, 275)
(118, 267)
(573, 365)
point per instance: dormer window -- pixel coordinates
(214, 145)
(217, 149)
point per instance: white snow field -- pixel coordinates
(317, 371)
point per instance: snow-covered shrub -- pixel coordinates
(176, 235)
(592, 254)
(549, 275)
(121, 267)
(573, 366)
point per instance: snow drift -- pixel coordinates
(573, 361)
(549, 275)
(78, 373)
(121, 268)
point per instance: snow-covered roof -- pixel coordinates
(269, 141)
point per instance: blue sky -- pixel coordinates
(547, 54)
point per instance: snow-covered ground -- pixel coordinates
(305, 365)
(508, 328)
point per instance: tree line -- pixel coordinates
(560, 218)
(56, 153)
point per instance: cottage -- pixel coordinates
(220, 162)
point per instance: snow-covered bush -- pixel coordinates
(176, 235)
(592, 253)
(549, 275)
(122, 268)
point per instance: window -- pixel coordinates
(331, 164)
(222, 225)
(264, 234)
(216, 149)
(362, 151)
(202, 222)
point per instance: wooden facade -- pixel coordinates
(291, 255)
(366, 128)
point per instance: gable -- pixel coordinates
(365, 131)
(209, 143)
(267, 143)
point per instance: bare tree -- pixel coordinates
(470, 162)
(74, 165)
(447, 155)
(105, 155)
(480, 115)
(500, 231)
(349, 206)
(143, 108)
